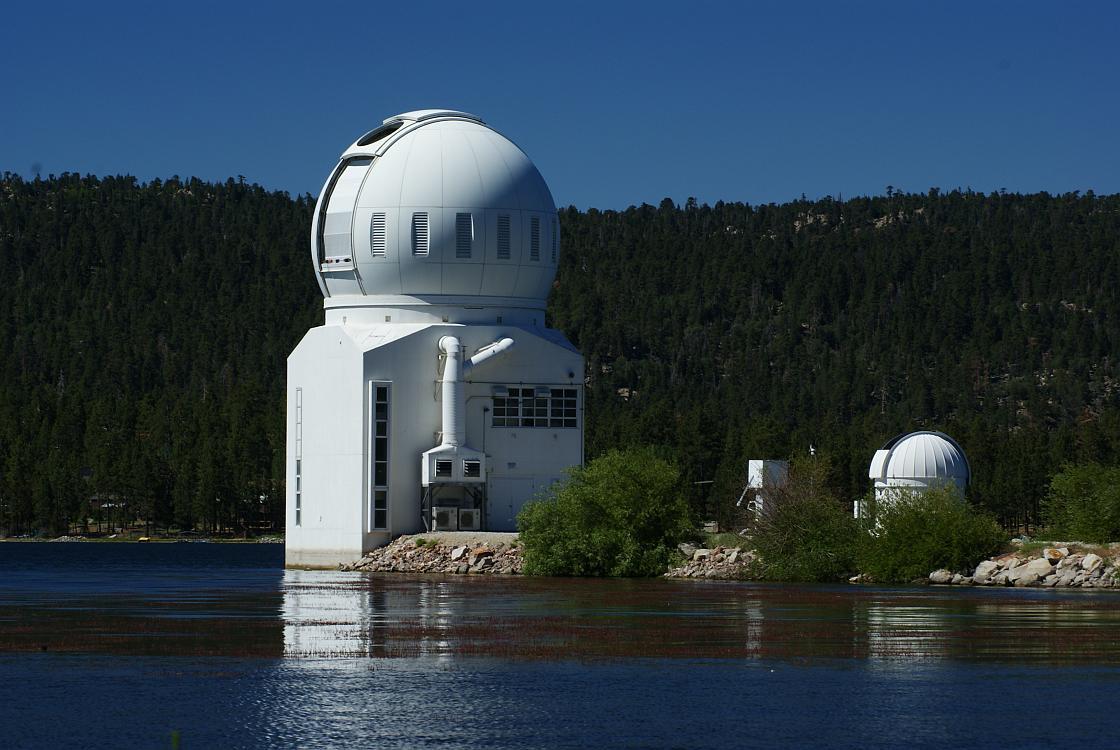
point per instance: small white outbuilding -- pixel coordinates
(433, 396)
(916, 462)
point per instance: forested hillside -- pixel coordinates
(144, 330)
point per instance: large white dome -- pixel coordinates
(921, 458)
(434, 207)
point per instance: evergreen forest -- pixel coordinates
(144, 329)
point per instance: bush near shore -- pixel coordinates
(621, 515)
(918, 533)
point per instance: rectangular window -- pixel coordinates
(379, 456)
(299, 456)
(534, 407)
(562, 407)
(503, 238)
(377, 244)
(420, 233)
(535, 238)
(555, 239)
(299, 492)
(464, 235)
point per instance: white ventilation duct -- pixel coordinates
(452, 445)
(453, 417)
(454, 370)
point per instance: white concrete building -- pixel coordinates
(915, 463)
(433, 396)
(762, 473)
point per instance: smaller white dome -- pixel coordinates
(921, 458)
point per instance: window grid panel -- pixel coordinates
(379, 491)
(528, 407)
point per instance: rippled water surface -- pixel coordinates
(119, 645)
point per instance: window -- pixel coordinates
(420, 233)
(535, 238)
(379, 443)
(555, 239)
(503, 238)
(517, 406)
(562, 408)
(299, 456)
(377, 244)
(299, 491)
(464, 235)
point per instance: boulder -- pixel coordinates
(1028, 574)
(941, 576)
(985, 570)
(1091, 562)
(1054, 554)
(458, 552)
(701, 554)
(686, 549)
(733, 555)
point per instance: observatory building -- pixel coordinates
(915, 463)
(433, 397)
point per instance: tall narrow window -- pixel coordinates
(535, 238)
(555, 239)
(420, 234)
(503, 238)
(299, 492)
(379, 458)
(464, 235)
(377, 244)
(299, 457)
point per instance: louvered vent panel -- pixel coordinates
(535, 239)
(503, 238)
(420, 234)
(377, 244)
(555, 239)
(464, 235)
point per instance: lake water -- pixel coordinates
(119, 645)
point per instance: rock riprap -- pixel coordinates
(1054, 567)
(420, 554)
(719, 563)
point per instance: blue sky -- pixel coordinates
(617, 103)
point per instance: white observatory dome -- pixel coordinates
(435, 208)
(920, 459)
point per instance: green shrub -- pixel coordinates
(804, 532)
(918, 533)
(1084, 503)
(621, 515)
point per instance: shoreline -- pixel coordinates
(501, 554)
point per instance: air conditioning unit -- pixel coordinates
(445, 519)
(470, 519)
